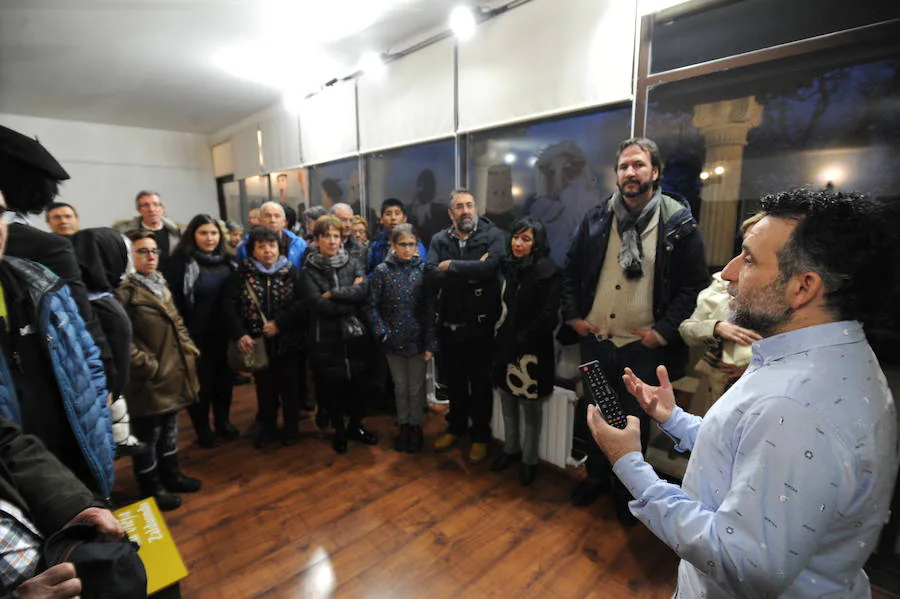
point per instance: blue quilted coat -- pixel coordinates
(76, 365)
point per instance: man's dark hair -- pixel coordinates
(259, 235)
(56, 205)
(136, 235)
(145, 192)
(458, 192)
(849, 241)
(316, 212)
(25, 187)
(541, 245)
(187, 245)
(392, 203)
(649, 146)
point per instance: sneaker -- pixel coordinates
(445, 442)
(477, 452)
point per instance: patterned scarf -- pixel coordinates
(155, 283)
(630, 226)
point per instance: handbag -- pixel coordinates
(108, 570)
(352, 327)
(255, 360)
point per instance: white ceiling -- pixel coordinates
(154, 63)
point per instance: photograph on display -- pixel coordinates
(419, 176)
(554, 171)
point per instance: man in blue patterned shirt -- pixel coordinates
(792, 471)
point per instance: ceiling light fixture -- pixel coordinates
(372, 64)
(462, 22)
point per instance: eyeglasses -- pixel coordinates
(463, 206)
(148, 251)
(406, 244)
(7, 216)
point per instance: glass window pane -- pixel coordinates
(335, 182)
(553, 170)
(419, 176)
(819, 121)
(257, 192)
(730, 28)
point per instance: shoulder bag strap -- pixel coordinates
(255, 301)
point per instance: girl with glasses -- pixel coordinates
(398, 310)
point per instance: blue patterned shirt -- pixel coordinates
(790, 476)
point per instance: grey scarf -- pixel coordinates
(154, 282)
(630, 226)
(323, 262)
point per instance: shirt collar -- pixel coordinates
(782, 345)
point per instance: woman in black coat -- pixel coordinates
(524, 361)
(333, 288)
(196, 273)
(273, 315)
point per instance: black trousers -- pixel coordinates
(279, 382)
(216, 387)
(116, 326)
(342, 396)
(643, 361)
(465, 366)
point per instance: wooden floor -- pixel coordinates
(305, 523)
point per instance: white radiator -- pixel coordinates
(556, 431)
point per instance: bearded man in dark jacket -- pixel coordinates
(632, 274)
(462, 265)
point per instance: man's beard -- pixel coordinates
(465, 225)
(643, 188)
(768, 314)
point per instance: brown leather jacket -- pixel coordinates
(163, 357)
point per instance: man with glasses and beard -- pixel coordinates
(463, 260)
(792, 471)
(632, 274)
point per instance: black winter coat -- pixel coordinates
(279, 296)
(524, 359)
(468, 292)
(330, 354)
(680, 272)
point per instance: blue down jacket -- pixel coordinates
(76, 366)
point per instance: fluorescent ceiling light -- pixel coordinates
(372, 65)
(462, 22)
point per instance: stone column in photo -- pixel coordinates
(724, 127)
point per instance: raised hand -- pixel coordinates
(659, 401)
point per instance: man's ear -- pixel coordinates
(804, 289)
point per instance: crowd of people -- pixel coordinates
(145, 319)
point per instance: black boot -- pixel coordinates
(151, 486)
(401, 441)
(226, 430)
(173, 479)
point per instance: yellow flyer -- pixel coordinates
(145, 525)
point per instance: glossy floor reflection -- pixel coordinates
(301, 522)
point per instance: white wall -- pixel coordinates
(108, 164)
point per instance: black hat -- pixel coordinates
(31, 152)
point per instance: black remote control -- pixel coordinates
(601, 394)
